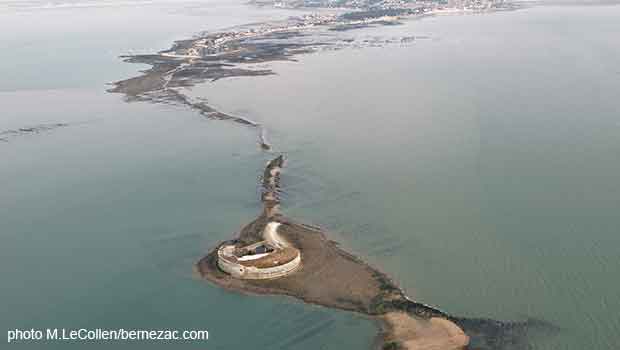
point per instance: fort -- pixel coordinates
(270, 258)
(265, 254)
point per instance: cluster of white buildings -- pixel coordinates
(431, 5)
(219, 43)
(214, 44)
(474, 4)
(384, 4)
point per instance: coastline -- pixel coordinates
(237, 51)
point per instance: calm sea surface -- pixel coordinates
(479, 166)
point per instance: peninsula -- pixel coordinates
(243, 50)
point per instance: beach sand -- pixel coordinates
(420, 334)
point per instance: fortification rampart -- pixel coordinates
(231, 265)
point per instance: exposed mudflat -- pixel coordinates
(331, 277)
(328, 275)
(188, 63)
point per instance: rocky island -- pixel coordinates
(305, 264)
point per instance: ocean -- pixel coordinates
(477, 165)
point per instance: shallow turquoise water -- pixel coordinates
(102, 220)
(478, 167)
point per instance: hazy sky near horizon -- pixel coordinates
(25, 4)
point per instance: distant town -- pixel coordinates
(223, 42)
(384, 4)
(361, 13)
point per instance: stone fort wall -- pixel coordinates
(250, 272)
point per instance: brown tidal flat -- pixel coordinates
(328, 276)
(331, 277)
